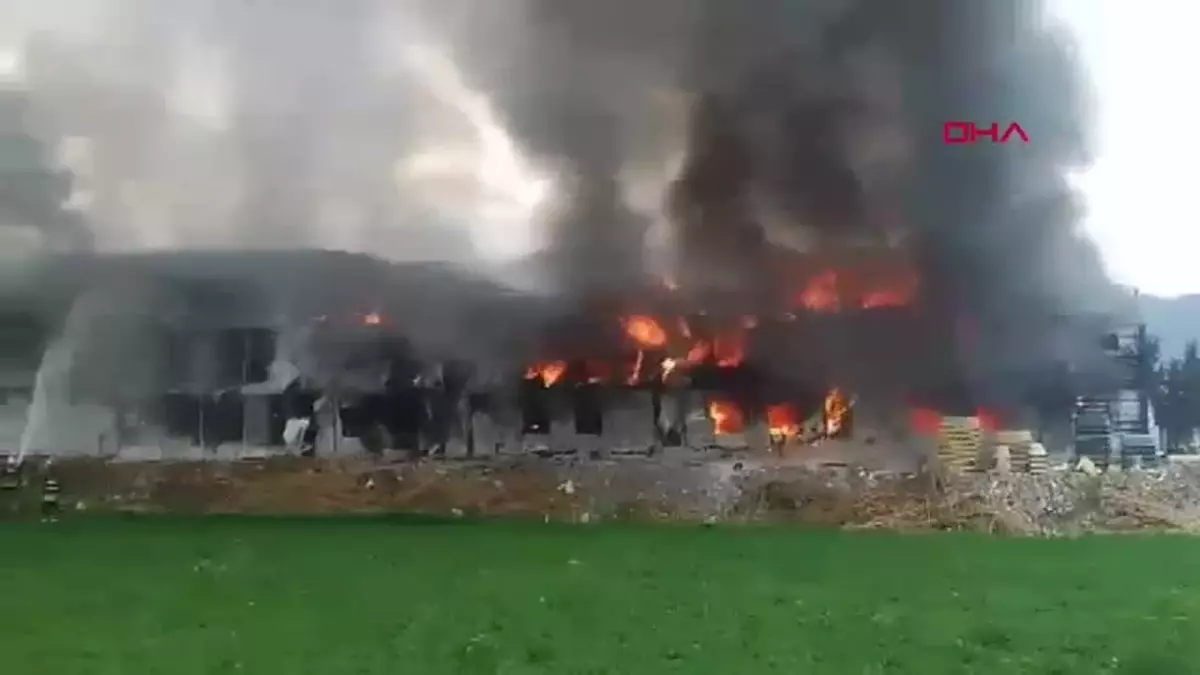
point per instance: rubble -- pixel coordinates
(741, 489)
(1087, 466)
(1058, 502)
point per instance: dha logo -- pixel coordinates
(964, 133)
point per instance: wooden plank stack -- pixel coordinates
(960, 444)
(1019, 443)
(1039, 460)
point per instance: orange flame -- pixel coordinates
(832, 291)
(372, 319)
(783, 421)
(837, 409)
(645, 331)
(548, 372)
(727, 418)
(821, 293)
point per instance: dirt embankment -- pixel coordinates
(583, 490)
(299, 486)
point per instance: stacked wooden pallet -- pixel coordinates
(960, 443)
(1039, 461)
(1019, 443)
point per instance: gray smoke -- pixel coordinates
(33, 191)
(823, 117)
(817, 126)
(802, 125)
(263, 124)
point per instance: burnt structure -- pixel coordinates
(813, 197)
(220, 348)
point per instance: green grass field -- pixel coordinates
(340, 597)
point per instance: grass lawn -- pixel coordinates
(340, 597)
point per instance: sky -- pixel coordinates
(1142, 57)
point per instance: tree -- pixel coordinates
(1176, 395)
(1148, 365)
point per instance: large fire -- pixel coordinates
(548, 372)
(645, 331)
(835, 291)
(837, 409)
(783, 422)
(677, 350)
(667, 348)
(726, 416)
(821, 294)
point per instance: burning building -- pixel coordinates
(827, 262)
(224, 347)
(220, 347)
(212, 349)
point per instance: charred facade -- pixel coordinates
(823, 248)
(229, 358)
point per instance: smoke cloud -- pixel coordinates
(733, 131)
(818, 126)
(344, 126)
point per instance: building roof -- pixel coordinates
(434, 305)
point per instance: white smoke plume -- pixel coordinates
(278, 124)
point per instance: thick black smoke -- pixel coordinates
(798, 124)
(995, 226)
(822, 123)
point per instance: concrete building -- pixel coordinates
(123, 350)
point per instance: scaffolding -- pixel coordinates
(1103, 419)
